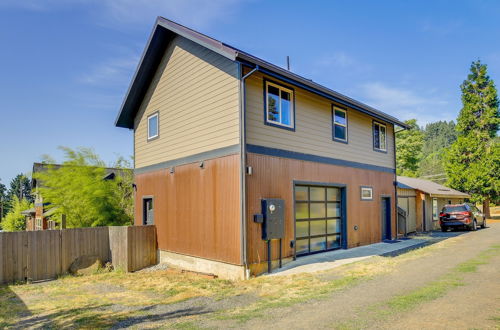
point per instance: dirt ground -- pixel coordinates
(454, 284)
(474, 302)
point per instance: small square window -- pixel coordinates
(379, 137)
(366, 193)
(153, 126)
(279, 106)
(339, 125)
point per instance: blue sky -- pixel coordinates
(65, 65)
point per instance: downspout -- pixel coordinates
(396, 184)
(243, 169)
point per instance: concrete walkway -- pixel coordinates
(329, 260)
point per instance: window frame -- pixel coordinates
(144, 210)
(367, 188)
(157, 115)
(344, 110)
(380, 124)
(287, 89)
(435, 209)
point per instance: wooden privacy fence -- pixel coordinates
(43, 255)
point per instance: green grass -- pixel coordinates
(188, 325)
(427, 293)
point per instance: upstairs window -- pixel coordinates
(153, 126)
(339, 124)
(379, 137)
(279, 106)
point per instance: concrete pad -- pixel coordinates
(333, 259)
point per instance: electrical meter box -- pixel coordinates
(273, 214)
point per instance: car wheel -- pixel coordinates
(474, 225)
(444, 229)
(484, 223)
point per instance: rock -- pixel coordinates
(85, 265)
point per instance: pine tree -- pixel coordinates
(438, 137)
(3, 201)
(473, 161)
(20, 187)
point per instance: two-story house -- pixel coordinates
(216, 130)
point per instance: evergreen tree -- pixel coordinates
(409, 149)
(438, 137)
(473, 161)
(3, 201)
(20, 187)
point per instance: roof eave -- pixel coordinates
(449, 195)
(137, 83)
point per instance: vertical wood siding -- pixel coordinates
(196, 93)
(313, 128)
(273, 177)
(196, 210)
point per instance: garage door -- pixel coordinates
(318, 218)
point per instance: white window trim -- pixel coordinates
(157, 125)
(435, 210)
(365, 188)
(339, 124)
(385, 136)
(292, 109)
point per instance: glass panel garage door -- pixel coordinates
(318, 213)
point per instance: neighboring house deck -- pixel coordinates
(422, 200)
(216, 130)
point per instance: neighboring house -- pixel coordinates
(39, 218)
(423, 200)
(216, 130)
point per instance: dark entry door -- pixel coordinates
(318, 218)
(386, 217)
(148, 216)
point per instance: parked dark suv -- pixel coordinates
(461, 216)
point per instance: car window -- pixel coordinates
(456, 208)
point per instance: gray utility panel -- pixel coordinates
(273, 213)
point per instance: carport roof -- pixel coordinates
(429, 187)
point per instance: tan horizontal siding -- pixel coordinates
(313, 128)
(406, 192)
(196, 93)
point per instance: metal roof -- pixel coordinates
(429, 187)
(165, 30)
